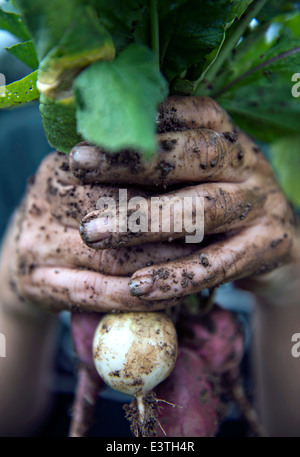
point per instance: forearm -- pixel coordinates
(30, 342)
(24, 375)
(276, 371)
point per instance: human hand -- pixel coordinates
(249, 226)
(49, 265)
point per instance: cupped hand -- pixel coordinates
(49, 265)
(248, 224)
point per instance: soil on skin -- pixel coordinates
(148, 426)
(168, 120)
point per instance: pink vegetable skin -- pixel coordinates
(83, 327)
(193, 388)
(217, 338)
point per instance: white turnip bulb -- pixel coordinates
(134, 352)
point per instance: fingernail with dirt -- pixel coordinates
(96, 228)
(141, 286)
(85, 157)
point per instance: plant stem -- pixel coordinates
(254, 69)
(230, 44)
(155, 30)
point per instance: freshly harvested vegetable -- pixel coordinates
(211, 348)
(192, 400)
(217, 338)
(133, 353)
(88, 382)
(198, 393)
(83, 326)
(206, 377)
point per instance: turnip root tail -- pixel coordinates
(86, 395)
(142, 415)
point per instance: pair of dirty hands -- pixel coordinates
(61, 260)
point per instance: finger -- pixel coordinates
(76, 290)
(177, 113)
(215, 208)
(60, 247)
(54, 166)
(191, 155)
(252, 251)
(56, 186)
(69, 204)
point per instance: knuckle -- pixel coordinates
(238, 155)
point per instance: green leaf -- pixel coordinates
(256, 85)
(261, 50)
(13, 23)
(291, 21)
(125, 21)
(272, 67)
(265, 108)
(19, 92)
(83, 43)
(237, 10)
(7, 5)
(68, 36)
(285, 157)
(193, 31)
(274, 8)
(46, 21)
(59, 122)
(257, 46)
(25, 52)
(117, 101)
(244, 56)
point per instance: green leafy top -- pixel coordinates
(103, 67)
